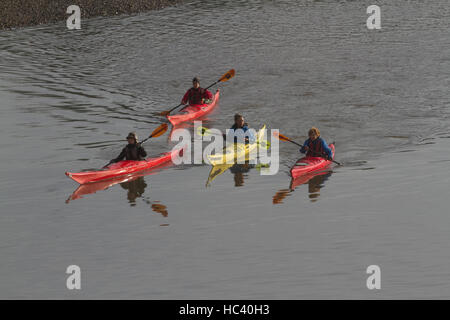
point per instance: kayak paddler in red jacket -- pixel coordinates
(316, 146)
(196, 94)
(133, 151)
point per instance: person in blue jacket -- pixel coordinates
(316, 146)
(239, 123)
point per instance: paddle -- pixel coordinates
(202, 131)
(284, 138)
(156, 133)
(227, 76)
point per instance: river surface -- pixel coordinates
(68, 99)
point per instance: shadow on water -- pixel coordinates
(315, 181)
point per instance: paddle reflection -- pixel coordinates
(160, 208)
(315, 182)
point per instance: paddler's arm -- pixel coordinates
(207, 96)
(141, 151)
(186, 97)
(305, 147)
(327, 150)
(120, 157)
(230, 133)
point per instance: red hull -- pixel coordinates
(195, 111)
(310, 164)
(121, 168)
(94, 187)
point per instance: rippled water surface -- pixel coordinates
(68, 98)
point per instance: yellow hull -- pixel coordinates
(236, 151)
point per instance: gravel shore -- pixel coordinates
(14, 13)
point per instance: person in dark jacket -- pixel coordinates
(316, 146)
(133, 151)
(239, 123)
(196, 94)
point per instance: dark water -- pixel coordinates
(69, 98)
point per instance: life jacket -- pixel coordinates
(244, 128)
(196, 95)
(316, 148)
(132, 153)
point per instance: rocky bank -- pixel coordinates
(15, 13)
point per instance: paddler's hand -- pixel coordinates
(328, 158)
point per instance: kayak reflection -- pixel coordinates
(239, 170)
(134, 184)
(314, 180)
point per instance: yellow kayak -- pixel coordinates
(236, 151)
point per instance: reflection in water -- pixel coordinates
(160, 208)
(315, 183)
(136, 189)
(237, 169)
(135, 185)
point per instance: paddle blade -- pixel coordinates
(159, 131)
(227, 76)
(280, 136)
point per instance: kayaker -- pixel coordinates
(196, 94)
(133, 151)
(315, 146)
(239, 123)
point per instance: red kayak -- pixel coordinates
(94, 187)
(194, 111)
(310, 164)
(122, 168)
(306, 178)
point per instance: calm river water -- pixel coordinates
(68, 99)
